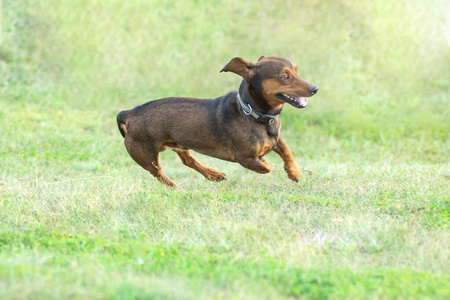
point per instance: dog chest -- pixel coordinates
(266, 147)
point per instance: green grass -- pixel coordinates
(369, 218)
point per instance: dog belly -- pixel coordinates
(220, 153)
(216, 152)
(174, 145)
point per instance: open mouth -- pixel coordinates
(295, 101)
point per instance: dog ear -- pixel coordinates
(241, 67)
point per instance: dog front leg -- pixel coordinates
(283, 150)
(257, 164)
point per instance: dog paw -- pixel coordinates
(216, 176)
(294, 178)
(293, 175)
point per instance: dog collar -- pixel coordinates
(258, 116)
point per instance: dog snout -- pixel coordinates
(313, 90)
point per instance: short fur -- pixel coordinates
(218, 127)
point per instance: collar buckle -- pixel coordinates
(249, 112)
(258, 116)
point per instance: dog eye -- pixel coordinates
(285, 77)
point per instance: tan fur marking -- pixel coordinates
(269, 86)
(124, 128)
(264, 149)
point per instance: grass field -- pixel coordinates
(369, 218)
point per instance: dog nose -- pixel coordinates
(313, 90)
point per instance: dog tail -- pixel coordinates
(121, 122)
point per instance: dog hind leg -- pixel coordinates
(190, 161)
(146, 155)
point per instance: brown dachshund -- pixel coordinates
(239, 127)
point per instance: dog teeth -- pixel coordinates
(289, 97)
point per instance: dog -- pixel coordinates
(241, 126)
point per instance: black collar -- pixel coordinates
(258, 116)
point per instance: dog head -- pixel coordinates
(275, 79)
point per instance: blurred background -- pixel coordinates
(383, 68)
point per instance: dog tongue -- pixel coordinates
(302, 101)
